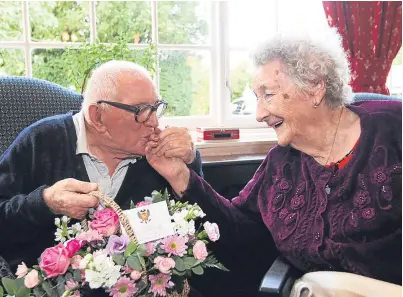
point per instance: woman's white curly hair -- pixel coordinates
(310, 59)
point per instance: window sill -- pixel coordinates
(252, 143)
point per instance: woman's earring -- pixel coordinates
(315, 105)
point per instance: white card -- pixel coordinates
(150, 222)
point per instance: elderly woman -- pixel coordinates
(330, 193)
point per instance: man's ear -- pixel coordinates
(95, 116)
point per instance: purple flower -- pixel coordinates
(379, 175)
(117, 244)
(368, 213)
(284, 185)
(362, 198)
(297, 202)
(283, 213)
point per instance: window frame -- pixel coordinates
(218, 47)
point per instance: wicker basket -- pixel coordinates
(108, 202)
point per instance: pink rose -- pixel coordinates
(73, 246)
(70, 284)
(31, 279)
(75, 262)
(106, 222)
(55, 260)
(143, 203)
(22, 270)
(89, 236)
(150, 248)
(212, 231)
(200, 251)
(164, 264)
(135, 275)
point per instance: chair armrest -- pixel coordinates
(279, 279)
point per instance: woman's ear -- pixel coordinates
(95, 117)
(317, 93)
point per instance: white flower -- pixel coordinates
(59, 235)
(172, 202)
(181, 227)
(65, 219)
(148, 199)
(76, 228)
(102, 271)
(57, 222)
(180, 216)
(85, 261)
(94, 278)
(201, 214)
(191, 227)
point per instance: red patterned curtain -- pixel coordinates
(372, 37)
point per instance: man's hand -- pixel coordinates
(173, 142)
(69, 197)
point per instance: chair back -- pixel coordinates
(24, 101)
(373, 96)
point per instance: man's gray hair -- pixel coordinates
(104, 81)
(310, 59)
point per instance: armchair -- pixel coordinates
(279, 279)
(24, 101)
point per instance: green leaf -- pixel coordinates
(119, 259)
(142, 262)
(10, 285)
(180, 264)
(60, 285)
(176, 272)
(1, 291)
(23, 292)
(141, 250)
(38, 292)
(130, 249)
(198, 270)
(77, 275)
(134, 262)
(50, 291)
(132, 205)
(19, 282)
(189, 262)
(166, 194)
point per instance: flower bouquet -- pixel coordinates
(103, 253)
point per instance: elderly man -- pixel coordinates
(53, 164)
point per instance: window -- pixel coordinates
(203, 68)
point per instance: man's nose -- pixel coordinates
(262, 111)
(152, 121)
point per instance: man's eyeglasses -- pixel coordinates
(142, 112)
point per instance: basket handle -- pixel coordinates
(108, 202)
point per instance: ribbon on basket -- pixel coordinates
(108, 202)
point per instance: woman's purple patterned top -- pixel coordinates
(354, 227)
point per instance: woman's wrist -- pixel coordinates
(180, 182)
